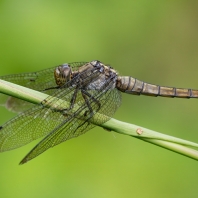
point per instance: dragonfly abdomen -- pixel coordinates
(134, 86)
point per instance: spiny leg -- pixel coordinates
(91, 97)
(88, 104)
(85, 95)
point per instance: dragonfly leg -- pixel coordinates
(92, 98)
(88, 112)
(88, 104)
(72, 102)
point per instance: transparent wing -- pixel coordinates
(35, 80)
(28, 126)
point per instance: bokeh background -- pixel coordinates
(155, 41)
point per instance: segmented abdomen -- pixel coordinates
(131, 85)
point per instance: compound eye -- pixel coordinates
(62, 74)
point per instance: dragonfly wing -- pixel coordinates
(28, 126)
(69, 128)
(35, 80)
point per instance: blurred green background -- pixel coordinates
(155, 41)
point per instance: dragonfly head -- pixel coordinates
(62, 74)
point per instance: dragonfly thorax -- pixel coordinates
(106, 76)
(62, 74)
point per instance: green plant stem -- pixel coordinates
(165, 141)
(169, 142)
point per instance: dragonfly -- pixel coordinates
(81, 96)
